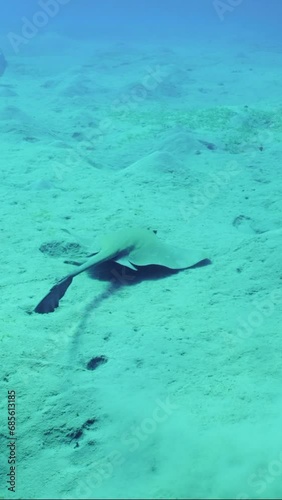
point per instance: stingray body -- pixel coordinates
(130, 248)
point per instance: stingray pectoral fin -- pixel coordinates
(51, 301)
(180, 258)
(93, 253)
(165, 255)
(123, 261)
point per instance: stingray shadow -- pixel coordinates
(120, 276)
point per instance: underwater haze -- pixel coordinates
(141, 235)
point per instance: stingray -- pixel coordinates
(130, 248)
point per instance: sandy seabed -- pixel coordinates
(169, 384)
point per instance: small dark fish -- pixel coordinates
(209, 145)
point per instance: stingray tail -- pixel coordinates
(51, 301)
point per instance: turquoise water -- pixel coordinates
(154, 371)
